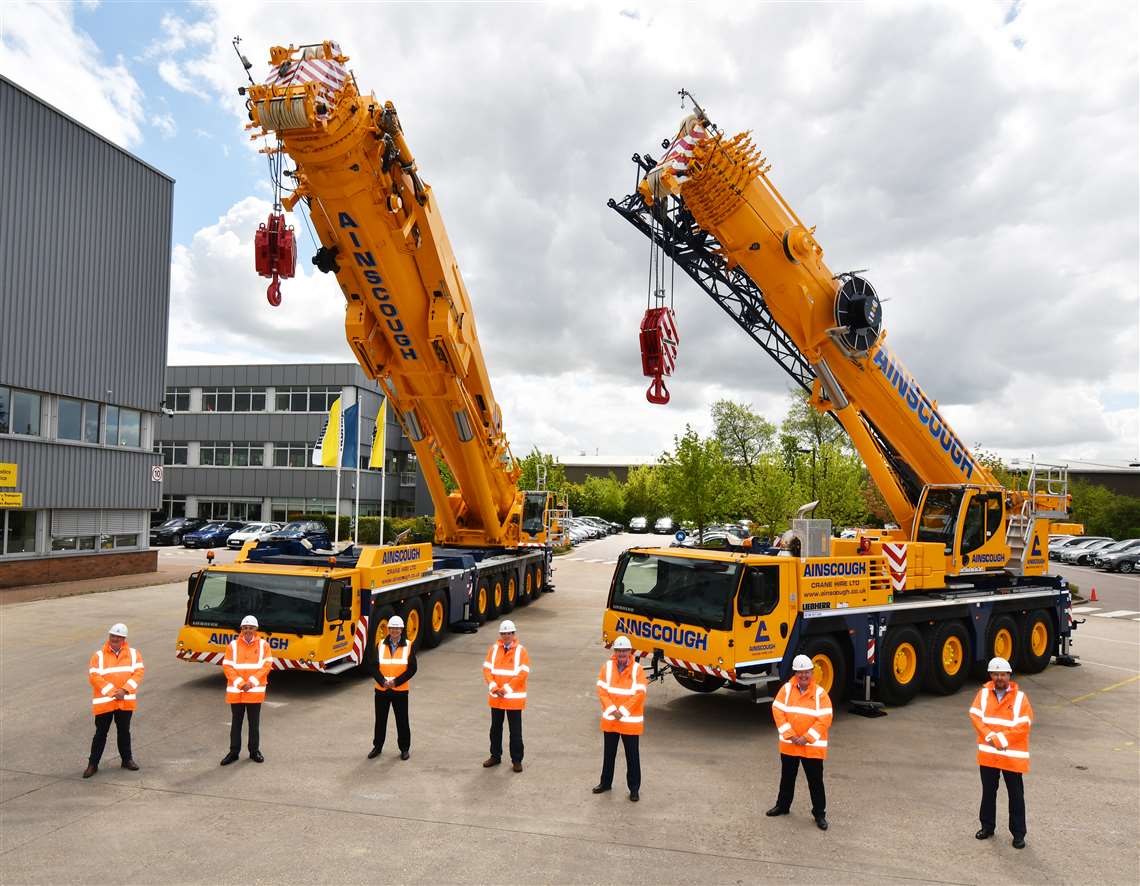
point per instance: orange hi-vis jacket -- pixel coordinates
(509, 671)
(806, 713)
(1007, 722)
(393, 664)
(624, 692)
(247, 661)
(109, 673)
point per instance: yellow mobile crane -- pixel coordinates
(409, 321)
(962, 580)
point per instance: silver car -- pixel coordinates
(252, 532)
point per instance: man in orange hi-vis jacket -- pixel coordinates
(1002, 717)
(621, 690)
(114, 672)
(802, 711)
(505, 671)
(247, 664)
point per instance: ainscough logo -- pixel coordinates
(401, 555)
(677, 636)
(823, 570)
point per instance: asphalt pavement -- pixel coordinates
(902, 790)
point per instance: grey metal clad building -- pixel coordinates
(85, 241)
(237, 443)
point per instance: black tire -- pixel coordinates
(481, 601)
(1125, 567)
(412, 612)
(1001, 640)
(902, 665)
(435, 620)
(177, 540)
(947, 658)
(1038, 639)
(510, 592)
(698, 682)
(831, 671)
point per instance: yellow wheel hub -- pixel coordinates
(511, 590)
(529, 583)
(1039, 638)
(498, 593)
(905, 663)
(824, 671)
(953, 656)
(1003, 644)
(412, 628)
(437, 616)
(482, 599)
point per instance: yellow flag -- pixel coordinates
(327, 453)
(376, 459)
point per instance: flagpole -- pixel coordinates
(339, 459)
(383, 477)
(356, 456)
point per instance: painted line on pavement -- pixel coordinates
(1097, 692)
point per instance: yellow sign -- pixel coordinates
(11, 499)
(7, 474)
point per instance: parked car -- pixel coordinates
(314, 533)
(1056, 550)
(1126, 562)
(664, 526)
(212, 535)
(173, 530)
(603, 525)
(639, 524)
(1103, 558)
(252, 532)
(1077, 554)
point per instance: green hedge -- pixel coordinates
(422, 528)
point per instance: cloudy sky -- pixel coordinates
(981, 159)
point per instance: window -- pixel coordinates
(291, 455)
(217, 399)
(111, 425)
(310, 398)
(122, 427)
(19, 532)
(248, 455)
(19, 412)
(285, 510)
(677, 589)
(173, 506)
(760, 591)
(939, 517)
(173, 453)
(244, 511)
(74, 530)
(284, 603)
(239, 455)
(78, 420)
(177, 399)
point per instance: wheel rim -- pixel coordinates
(538, 578)
(1003, 643)
(412, 626)
(437, 616)
(824, 671)
(905, 663)
(952, 656)
(511, 591)
(498, 593)
(529, 583)
(481, 600)
(1039, 638)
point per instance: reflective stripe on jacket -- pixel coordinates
(108, 673)
(249, 662)
(509, 671)
(622, 692)
(806, 714)
(393, 664)
(1006, 724)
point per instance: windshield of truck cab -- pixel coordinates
(283, 603)
(676, 588)
(939, 516)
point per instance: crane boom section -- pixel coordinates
(408, 315)
(833, 320)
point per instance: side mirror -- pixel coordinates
(346, 614)
(191, 583)
(346, 597)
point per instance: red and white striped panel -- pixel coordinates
(895, 554)
(359, 638)
(669, 340)
(681, 151)
(208, 657)
(330, 74)
(871, 650)
(701, 669)
(295, 664)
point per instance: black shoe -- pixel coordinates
(633, 796)
(776, 810)
(404, 755)
(131, 765)
(374, 753)
(821, 823)
(229, 758)
(1018, 842)
(256, 757)
(983, 834)
(600, 788)
(91, 769)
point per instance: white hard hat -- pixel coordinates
(249, 621)
(395, 622)
(622, 643)
(802, 663)
(507, 627)
(118, 629)
(999, 665)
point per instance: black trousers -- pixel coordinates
(1014, 787)
(122, 735)
(632, 759)
(813, 769)
(514, 724)
(398, 701)
(237, 714)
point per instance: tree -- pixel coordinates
(699, 482)
(644, 493)
(598, 497)
(743, 435)
(556, 480)
(771, 496)
(449, 484)
(1103, 511)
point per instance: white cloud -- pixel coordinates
(42, 49)
(165, 124)
(172, 75)
(990, 188)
